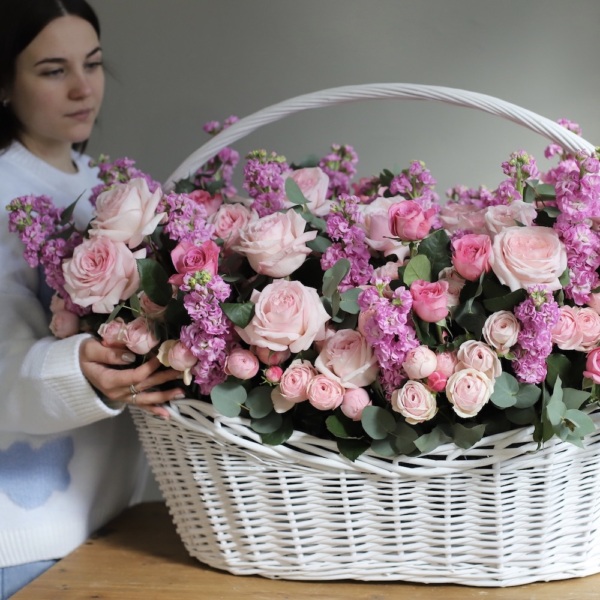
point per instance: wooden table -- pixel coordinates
(140, 557)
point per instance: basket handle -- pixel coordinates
(379, 91)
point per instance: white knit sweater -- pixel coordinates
(68, 461)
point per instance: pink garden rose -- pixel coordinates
(594, 302)
(430, 300)
(293, 385)
(592, 366)
(287, 316)
(462, 217)
(588, 323)
(477, 355)
(173, 354)
(566, 334)
(127, 212)
(354, 402)
(501, 330)
(188, 258)
(526, 256)
(64, 324)
(271, 357)
(446, 363)
(242, 363)
(325, 393)
(211, 203)
(468, 390)
(139, 336)
(419, 362)
(313, 183)
(455, 285)
(229, 220)
(501, 216)
(101, 273)
(348, 358)
(414, 402)
(113, 332)
(275, 245)
(377, 227)
(408, 221)
(471, 255)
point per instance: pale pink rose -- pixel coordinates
(313, 183)
(127, 212)
(242, 363)
(430, 300)
(468, 390)
(151, 309)
(446, 363)
(354, 402)
(113, 332)
(526, 256)
(101, 273)
(566, 334)
(377, 226)
(455, 285)
(211, 203)
(139, 336)
(408, 221)
(189, 258)
(461, 217)
(270, 357)
(594, 302)
(293, 385)
(173, 354)
(273, 374)
(275, 245)
(229, 220)
(501, 330)
(325, 393)
(592, 366)
(348, 358)
(387, 272)
(57, 303)
(436, 382)
(287, 316)
(419, 362)
(364, 316)
(64, 324)
(501, 216)
(477, 355)
(414, 402)
(471, 255)
(588, 323)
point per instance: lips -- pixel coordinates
(81, 115)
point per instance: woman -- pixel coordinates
(69, 456)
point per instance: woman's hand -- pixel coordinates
(136, 385)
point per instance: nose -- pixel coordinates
(80, 86)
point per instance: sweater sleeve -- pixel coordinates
(43, 389)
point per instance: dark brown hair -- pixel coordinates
(20, 22)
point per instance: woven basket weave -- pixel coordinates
(501, 513)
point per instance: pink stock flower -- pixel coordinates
(408, 221)
(430, 300)
(190, 258)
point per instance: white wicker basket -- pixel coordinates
(501, 513)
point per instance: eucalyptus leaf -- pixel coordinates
(506, 388)
(436, 248)
(418, 268)
(574, 399)
(505, 302)
(228, 398)
(319, 244)
(154, 280)
(259, 402)
(282, 434)
(238, 314)
(334, 275)
(349, 301)
(559, 366)
(471, 317)
(528, 395)
(430, 441)
(579, 422)
(352, 448)
(385, 447)
(521, 416)
(465, 437)
(343, 427)
(294, 193)
(378, 422)
(555, 408)
(269, 424)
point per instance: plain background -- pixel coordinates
(176, 64)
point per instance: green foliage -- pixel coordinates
(154, 280)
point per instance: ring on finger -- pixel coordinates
(134, 399)
(133, 390)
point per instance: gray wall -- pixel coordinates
(178, 63)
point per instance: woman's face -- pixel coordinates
(58, 85)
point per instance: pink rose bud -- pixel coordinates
(113, 333)
(471, 255)
(181, 358)
(271, 357)
(436, 382)
(408, 221)
(64, 324)
(354, 402)
(420, 362)
(324, 393)
(273, 374)
(592, 366)
(242, 364)
(139, 337)
(446, 363)
(430, 301)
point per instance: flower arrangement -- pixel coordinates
(364, 311)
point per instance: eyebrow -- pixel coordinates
(63, 60)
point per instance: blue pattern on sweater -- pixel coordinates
(46, 468)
